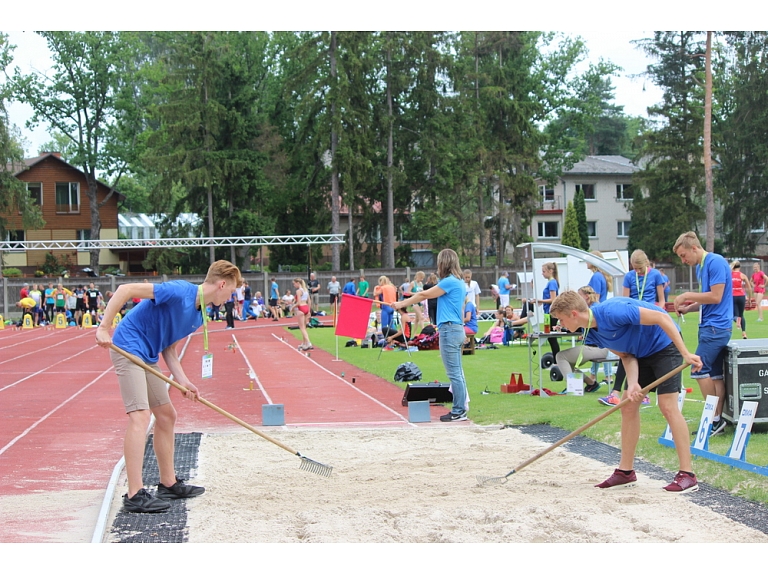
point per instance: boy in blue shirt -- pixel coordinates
(715, 304)
(650, 346)
(168, 312)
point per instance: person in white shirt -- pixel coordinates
(473, 289)
(286, 302)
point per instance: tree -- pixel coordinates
(571, 235)
(78, 101)
(14, 197)
(580, 208)
(741, 101)
(672, 153)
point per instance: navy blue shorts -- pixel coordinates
(713, 346)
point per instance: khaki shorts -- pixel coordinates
(139, 388)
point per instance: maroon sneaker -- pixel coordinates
(682, 483)
(618, 479)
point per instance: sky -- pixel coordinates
(602, 24)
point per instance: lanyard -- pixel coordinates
(584, 339)
(637, 283)
(205, 317)
(700, 272)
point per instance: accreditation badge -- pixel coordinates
(207, 366)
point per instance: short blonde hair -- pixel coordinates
(687, 240)
(223, 270)
(638, 258)
(567, 302)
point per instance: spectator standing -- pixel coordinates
(60, 297)
(314, 293)
(37, 310)
(758, 282)
(240, 301)
(50, 302)
(247, 303)
(362, 287)
(432, 303)
(714, 301)
(503, 287)
(386, 293)
(349, 287)
(24, 291)
(80, 307)
(473, 289)
(229, 309)
(274, 298)
(334, 289)
(549, 271)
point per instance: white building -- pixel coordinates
(607, 185)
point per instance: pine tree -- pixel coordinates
(581, 217)
(571, 235)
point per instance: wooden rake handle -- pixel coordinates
(183, 389)
(599, 418)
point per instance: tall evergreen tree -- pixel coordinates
(571, 235)
(579, 206)
(672, 172)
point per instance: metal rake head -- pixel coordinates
(483, 480)
(313, 466)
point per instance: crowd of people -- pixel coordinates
(43, 304)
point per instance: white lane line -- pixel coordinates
(54, 410)
(37, 351)
(357, 389)
(252, 372)
(49, 367)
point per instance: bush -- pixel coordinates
(12, 272)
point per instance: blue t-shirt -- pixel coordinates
(450, 305)
(619, 329)
(597, 282)
(155, 324)
(550, 291)
(647, 283)
(472, 323)
(503, 285)
(273, 290)
(716, 271)
(349, 288)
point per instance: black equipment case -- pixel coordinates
(746, 378)
(433, 392)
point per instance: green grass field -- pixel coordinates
(488, 369)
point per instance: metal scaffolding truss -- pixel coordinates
(85, 245)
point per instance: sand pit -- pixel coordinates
(418, 486)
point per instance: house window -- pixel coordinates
(547, 193)
(592, 229)
(623, 229)
(67, 198)
(588, 189)
(35, 190)
(15, 236)
(83, 235)
(624, 192)
(549, 229)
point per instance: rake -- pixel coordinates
(484, 480)
(307, 464)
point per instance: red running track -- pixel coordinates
(62, 420)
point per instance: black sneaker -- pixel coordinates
(179, 490)
(144, 502)
(592, 387)
(454, 417)
(718, 426)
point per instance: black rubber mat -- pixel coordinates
(169, 526)
(749, 513)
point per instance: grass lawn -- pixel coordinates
(488, 369)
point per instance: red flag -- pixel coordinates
(354, 314)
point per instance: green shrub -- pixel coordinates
(12, 272)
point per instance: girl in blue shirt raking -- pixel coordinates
(451, 292)
(643, 283)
